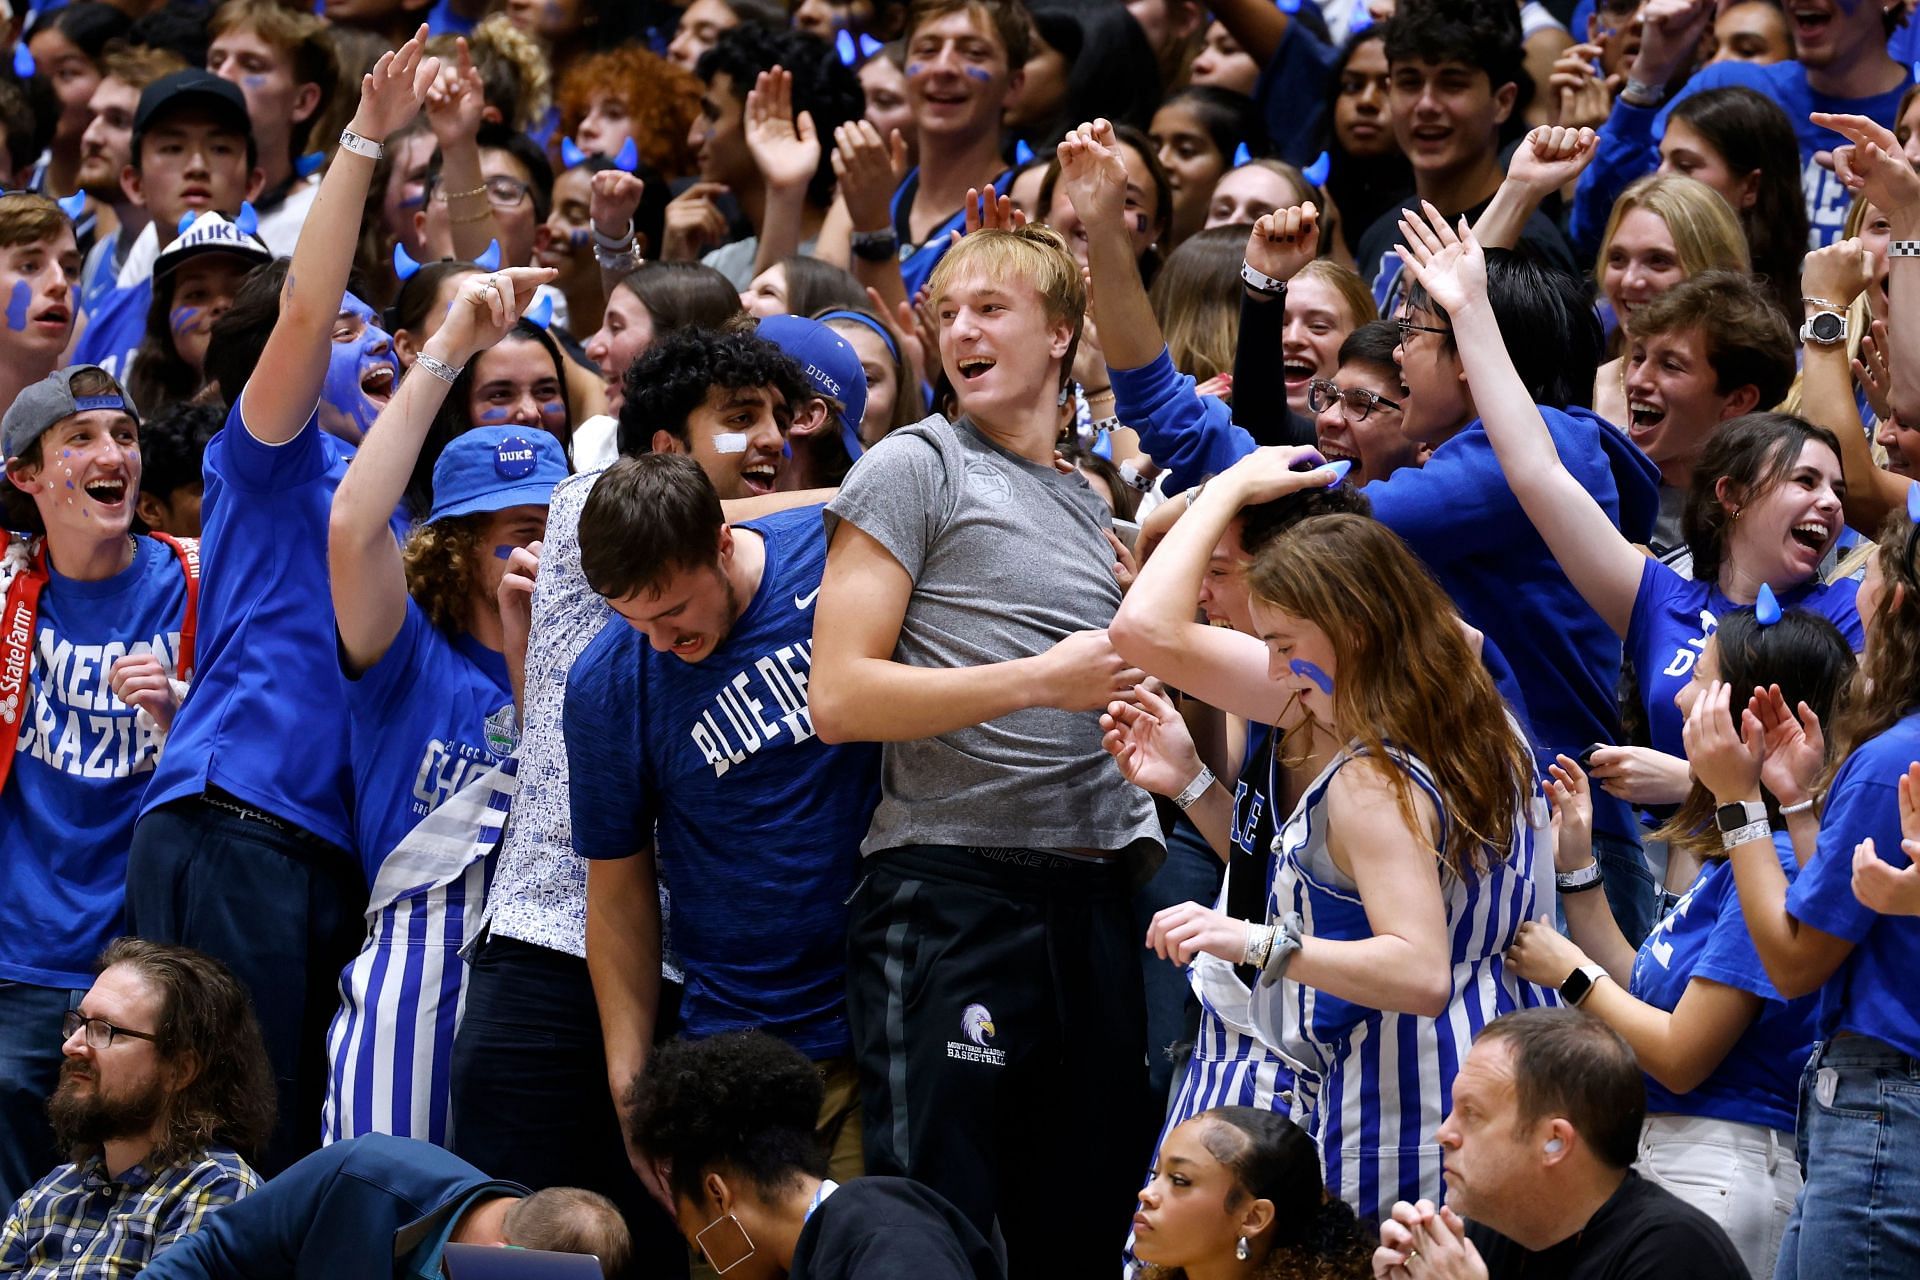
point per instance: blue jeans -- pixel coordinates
(1859, 1146)
(1191, 873)
(1629, 885)
(29, 1070)
(280, 908)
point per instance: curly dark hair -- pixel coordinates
(1479, 33)
(674, 376)
(206, 1023)
(822, 85)
(661, 101)
(442, 560)
(173, 444)
(741, 1099)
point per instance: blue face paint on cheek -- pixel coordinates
(553, 409)
(978, 73)
(254, 82)
(503, 553)
(342, 387)
(1301, 667)
(914, 69)
(17, 304)
(183, 320)
(494, 417)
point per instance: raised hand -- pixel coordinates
(784, 146)
(1727, 762)
(1872, 163)
(391, 93)
(1093, 174)
(1571, 801)
(456, 100)
(1551, 156)
(1284, 241)
(515, 595)
(869, 169)
(1837, 272)
(484, 309)
(1447, 262)
(1148, 738)
(985, 211)
(1670, 33)
(615, 199)
(693, 223)
(1796, 749)
(1273, 472)
(1871, 372)
(1582, 99)
(1180, 933)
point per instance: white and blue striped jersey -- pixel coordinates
(1372, 1086)
(390, 1046)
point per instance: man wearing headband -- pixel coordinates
(91, 635)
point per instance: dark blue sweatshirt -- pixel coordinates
(1458, 515)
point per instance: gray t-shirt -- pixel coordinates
(1007, 558)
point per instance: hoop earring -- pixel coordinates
(1240, 1249)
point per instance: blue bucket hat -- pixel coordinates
(493, 468)
(831, 366)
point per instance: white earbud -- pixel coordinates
(1555, 1146)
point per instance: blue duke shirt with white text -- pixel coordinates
(757, 823)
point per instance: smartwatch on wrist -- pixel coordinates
(1579, 983)
(1743, 813)
(1827, 328)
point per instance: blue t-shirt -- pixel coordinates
(916, 266)
(1786, 84)
(432, 715)
(1705, 936)
(114, 329)
(1871, 993)
(1672, 618)
(757, 822)
(268, 675)
(79, 766)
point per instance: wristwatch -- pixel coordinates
(1579, 983)
(876, 246)
(1732, 817)
(1828, 328)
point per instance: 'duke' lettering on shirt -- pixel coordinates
(1685, 656)
(77, 724)
(754, 708)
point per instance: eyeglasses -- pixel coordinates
(503, 191)
(1355, 402)
(100, 1032)
(1408, 328)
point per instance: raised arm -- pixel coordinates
(455, 102)
(786, 150)
(1279, 246)
(1603, 566)
(1546, 160)
(616, 248)
(1257, 26)
(1837, 273)
(869, 168)
(1873, 167)
(1155, 628)
(368, 581)
(1095, 180)
(276, 406)
(859, 693)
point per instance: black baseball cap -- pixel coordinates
(191, 88)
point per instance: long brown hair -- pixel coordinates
(1407, 675)
(443, 562)
(1887, 685)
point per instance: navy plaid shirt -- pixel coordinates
(76, 1222)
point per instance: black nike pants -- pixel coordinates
(1000, 1031)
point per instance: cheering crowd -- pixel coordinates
(977, 638)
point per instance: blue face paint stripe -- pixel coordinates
(978, 73)
(1301, 667)
(17, 304)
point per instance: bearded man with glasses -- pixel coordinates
(165, 1082)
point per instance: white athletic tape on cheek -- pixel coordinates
(729, 442)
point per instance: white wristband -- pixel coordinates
(1745, 835)
(1261, 282)
(1195, 789)
(351, 141)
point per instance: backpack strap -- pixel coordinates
(187, 551)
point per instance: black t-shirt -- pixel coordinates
(891, 1229)
(1540, 234)
(1642, 1232)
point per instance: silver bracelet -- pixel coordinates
(1637, 93)
(351, 141)
(614, 244)
(1288, 936)
(1195, 789)
(620, 261)
(438, 368)
(1745, 835)
(1788, 810)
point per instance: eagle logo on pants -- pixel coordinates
(977, 1024)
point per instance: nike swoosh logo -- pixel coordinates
(806, 601)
